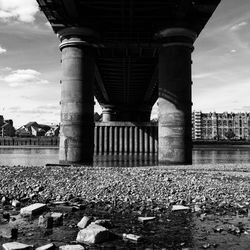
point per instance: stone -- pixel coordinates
(71, 247)
(4, 200)
(45, 221)
(57, 219)
(84, 222)
(16, 246)
(34, 209)
(146, 219)
(180, 208)
(50, 246)
(15, 203)
(132, 237)
(93, 234)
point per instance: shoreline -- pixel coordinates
(217, 196)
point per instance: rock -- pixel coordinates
(45, 221)
(180, 208)
(34, 209)
(15, 203)
(50, 246)
(206, 246)
(132, 237)
(197, 208)
(146, 219)
(71, 247)
(57, 219)
(93, 234)
(84, 222)
(16, 246)
(4, 200)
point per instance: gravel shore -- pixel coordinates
(219, 190)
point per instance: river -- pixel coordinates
(41, 156)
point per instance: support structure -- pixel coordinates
(77, 99)
(133, 114)
(175, 102)
(108, 114)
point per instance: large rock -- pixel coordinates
(71, 247)
(16, 246)
(33, 209)
(93, 234)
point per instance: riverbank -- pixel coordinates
(217, 196)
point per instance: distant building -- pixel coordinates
(53, 131)
(7, 129)
(220, 126)
(32, 129)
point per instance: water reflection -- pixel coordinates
(42, 156)
(204, 156)
(125, 160)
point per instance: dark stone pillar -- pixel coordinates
(77, 99)
(175, 102)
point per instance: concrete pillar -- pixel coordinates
(77, 99)
(175, 131)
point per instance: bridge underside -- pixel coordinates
(127, 53)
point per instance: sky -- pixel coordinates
(30, 63)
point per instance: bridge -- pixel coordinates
(127, 53)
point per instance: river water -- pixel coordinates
(42, 156)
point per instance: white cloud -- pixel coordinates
(2, 50)
(18, 10)
(23, 77)
(238, 26)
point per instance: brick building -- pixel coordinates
(220, 126)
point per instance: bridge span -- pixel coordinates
(127, 53)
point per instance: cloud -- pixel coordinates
(18, 10)
(23, 77)
(2, 50)
(238, 26)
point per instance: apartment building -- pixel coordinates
(220, 126)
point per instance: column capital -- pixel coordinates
(177, 37)
(78, 36)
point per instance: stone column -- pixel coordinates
(175, 130)
(77, 99)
